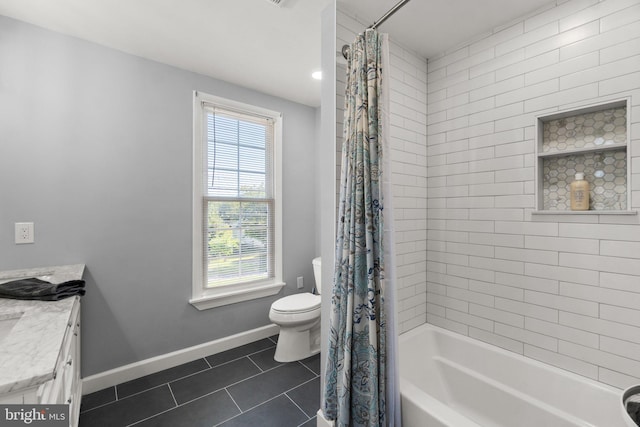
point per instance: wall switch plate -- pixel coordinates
(24, 233)
(300, 282)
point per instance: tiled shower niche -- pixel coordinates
(605, 171)
(592, 141)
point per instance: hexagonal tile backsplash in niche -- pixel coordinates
(605, 171)
(588, 130)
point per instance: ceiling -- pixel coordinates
(430, 27)
(252, 43)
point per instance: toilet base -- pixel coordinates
(296, 344)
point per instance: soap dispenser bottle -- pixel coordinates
(579, 193)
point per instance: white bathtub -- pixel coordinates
(447, 379)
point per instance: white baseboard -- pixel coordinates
(321, 421)
(155, 364)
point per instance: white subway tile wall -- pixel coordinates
(562, 289)
(408, 132)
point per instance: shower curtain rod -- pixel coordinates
(394, 9)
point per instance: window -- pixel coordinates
(237, 209)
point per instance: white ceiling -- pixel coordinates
(430, 27)
(253, 43)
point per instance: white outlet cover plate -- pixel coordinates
(24, 233)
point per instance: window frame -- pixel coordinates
(204, 298)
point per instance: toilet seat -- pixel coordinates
(297, 303)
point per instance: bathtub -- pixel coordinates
(450, 380)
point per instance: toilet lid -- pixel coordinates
(298, 303)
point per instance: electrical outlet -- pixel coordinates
(300, 282)
(24, 232)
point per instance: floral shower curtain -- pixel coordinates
(361, 383)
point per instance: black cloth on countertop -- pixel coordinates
(37, 289)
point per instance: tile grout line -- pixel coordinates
(148, 418)
(173, 379)
(127, 397)
(155, 415)
(97, 407)
(251, 360)
(115, 387)
(245, 379)
(297, 406)
(124, 398)
(196, 373)
(275, 367)
(268, 400)
(301, 384)
(199, 397)
(187, 376)
(233, 400)
(248, 378)
(190, 375)
(172, 395)
(100, 406)
(187, 402)
(312, 371)
(222, 388)
(215, 391)
(253, 407)
(159, 385)
(239, 357)
(182, 404)
(168, 384)
(152, 416)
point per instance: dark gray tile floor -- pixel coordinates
(239, 387)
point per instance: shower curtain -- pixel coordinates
(361, 384)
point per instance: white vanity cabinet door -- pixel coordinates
(72, 390)
(66, 387)
(23, 397)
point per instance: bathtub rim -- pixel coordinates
(427, 327)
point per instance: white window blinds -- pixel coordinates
(238, 198)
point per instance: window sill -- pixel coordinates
(233, 296)
(584, 213)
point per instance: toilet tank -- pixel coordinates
(317, 268)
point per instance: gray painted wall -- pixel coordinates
(95, 148)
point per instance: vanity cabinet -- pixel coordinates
(66, 386)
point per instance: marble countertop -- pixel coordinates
(29, 350)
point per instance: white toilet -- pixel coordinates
(299, 319)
